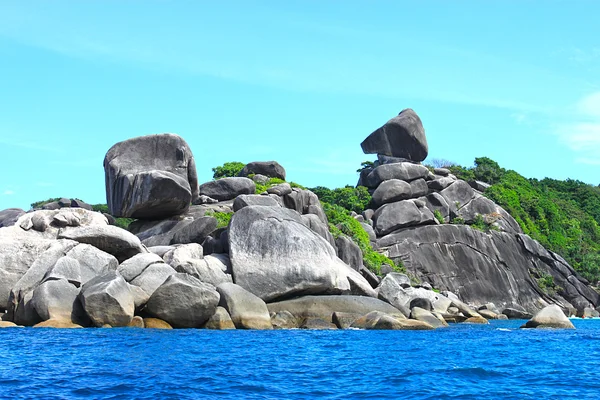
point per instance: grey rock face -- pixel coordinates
(271, 169)
(490, 212)
(228, 188)
(280, 190)
(150, 176)
(274, 255)
(220, 320)
(421, 314)
(107, 300)
(349, 252)
(435, 202)
(110, 239)
(483, 268)
(10, 216)
(214, 269)
(133, 267)
(419, 187)
(441, 183)
(196, 231)
(57, 299)
(253, 200)
(153, 276)
(400, 214)
(458, 194)
(549, 317)
(478, 185)
(305, 202)
(92, 261)
(391, 191)
(512, 313)
(316, 225)
(404, 171)
(402, 136)
(324, 306)
(247, 311)
(183, 301)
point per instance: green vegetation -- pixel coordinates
(483, 224)
(340, 222)
(221, 217)
(545, 281)
(351, 198)
(365, 165)
(438, 215)
(564, 216)
(38, 204)
(262, 187)
(229, 169)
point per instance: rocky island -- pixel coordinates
(253, 251)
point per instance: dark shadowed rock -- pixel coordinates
(421, 302)
(478, 185)
(10, 216)
(280, 190)
(183, 301)
(400, 214)
(247, 311)
(316, 324)
(435, 202)
(271, 169)
(403, 171)
(227, 188)
(419, 187)
(81, 204)
(343, 320)
(513, 313)
(349, 252)
(196, 231)
(441, 183)
(402, 136)
(274, 255)
(150, 176)
(107, 300)
(549, 317)
(458, 194)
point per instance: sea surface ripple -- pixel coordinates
(496, 361)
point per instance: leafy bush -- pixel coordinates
(221, 217)
(38, 204)
(351, 198)
(340, 222)
(229, 169)
(123, 222)
(365, 164)
(438, 215)
(481, 224)
(260, 187)
(102, 208)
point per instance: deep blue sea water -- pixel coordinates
(497, 361)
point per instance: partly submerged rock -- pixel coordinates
(108, 300)
(247, 311)
(549, 317)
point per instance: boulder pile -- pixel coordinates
(219, 255)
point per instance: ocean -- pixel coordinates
(496, 361)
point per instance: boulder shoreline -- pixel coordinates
(224, 255)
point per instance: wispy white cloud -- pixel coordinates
(8, 192)
(582, 133)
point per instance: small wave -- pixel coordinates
(504, 329)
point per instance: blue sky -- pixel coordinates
(300, 82)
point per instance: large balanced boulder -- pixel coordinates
(107, 300)
(110, 239)
(274, 255)
(402, 136)
(184, 301)
(227, 188)
(271, 169)
(549, 317)
(150, 176)
(404, 171)
(247, 311)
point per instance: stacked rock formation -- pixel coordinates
(411, 210)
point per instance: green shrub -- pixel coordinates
(340, 222)
(102, 208)
(123, 222)
(229, 169)
(438, 215)
(260, 187)
(222, 218)
(38, 204)
(365, 164)
(351, 198)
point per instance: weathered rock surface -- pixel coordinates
(324, 306)
(401, 214)
(150, 176)
(228, 188)
(214, 269)
(245, 200)
(110, 239)
(402, 136)
(152, 277)
(274, 255)
(549, 317)
(196, 231)
(391, 191)
(183, 301)
(349, 252)
(10, 216)
(485, 267)
(134, 266)
(271, 169)
(421, 314)
(57, 299)
(220, 320)
(404, 171)
(107, 300)
(247, 311)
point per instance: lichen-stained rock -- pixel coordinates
(107, 300)
(402, 136)
(247, 311)
(57, 299)
(228, 188)
(549, 317)
(183, 301)
(150, 177)
(156, 323)
(111, 239)
(220, 320)
(271, 169)
(404, 171)
(274, 255)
